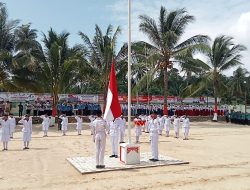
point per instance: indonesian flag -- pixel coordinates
(113, 108)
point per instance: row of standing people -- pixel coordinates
(7, 126)
(179, 110)
(99, 129)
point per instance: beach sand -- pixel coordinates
(219, 156)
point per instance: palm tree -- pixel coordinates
(29, 49)
(236, 83)
(60, 69)
(222, 55)
(165, 38)
(7, 45)
(101, 51)
(54, 69)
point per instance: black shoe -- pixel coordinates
(27, 148)
(112, 156)
(97, 166)
(155, 160)
(102, 166)
(151, 159)
(116, 156)
(24, 148)
(11, 137)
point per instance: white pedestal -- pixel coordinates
(129, 153)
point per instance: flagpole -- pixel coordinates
(129, 71)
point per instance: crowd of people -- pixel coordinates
(38, 108)
(238, 118)
(155, 124)
(79, 108)
(179, 110)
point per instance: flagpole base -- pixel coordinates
(129, 153)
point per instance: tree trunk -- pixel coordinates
(215, 118)
(165, 72)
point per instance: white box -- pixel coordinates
(129, 153)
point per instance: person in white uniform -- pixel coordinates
(185, 127)
(143, 118)
(114, 136)
(161, 124)
(12, 125)
(5, 131)
(45, 124)
(176, 126)
(99, 138)
(122, 127)
(27, 130)
(138, 124)
(78, 124)
(167, 125)
(64, 123)
(154, 135)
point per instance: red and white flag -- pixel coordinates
(113, 108)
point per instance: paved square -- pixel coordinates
(86, 165)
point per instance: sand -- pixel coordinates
(219, 156)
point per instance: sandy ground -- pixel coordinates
(219, 156)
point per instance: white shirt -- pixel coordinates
(99, 125)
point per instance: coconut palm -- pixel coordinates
(165, 38)
(7, 46)
(7, 37)
(101, 51)
(59, 70)
(222, 55)
(54, 69)
(29, 50)
(236, 84)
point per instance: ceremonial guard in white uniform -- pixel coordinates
(167, 125)
(176, 126)
(45, 124)
(143, 118)
(78, 124)
(27, 130)
(12, 125)
(5, 131)
(64, 123)
(138, 124)
(154, 135)
(122, 127)
(161, 124)
(185, 127)
(99, 137)
(114, 136)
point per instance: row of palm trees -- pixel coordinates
(53, 66)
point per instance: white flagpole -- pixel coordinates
(129, 71)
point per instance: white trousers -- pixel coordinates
(154, 146)
(177, 131)
(114, 144)
(186, 131)
(100, 143)
(122, 134)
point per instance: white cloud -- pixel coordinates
(212, 19)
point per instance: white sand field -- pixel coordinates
(219, 156)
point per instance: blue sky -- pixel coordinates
(213, 17)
